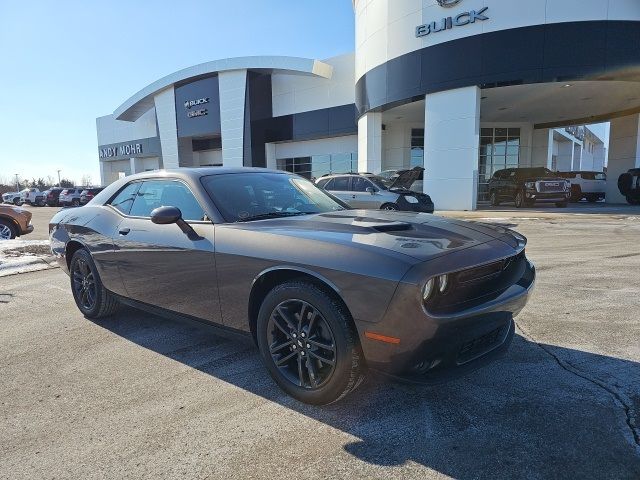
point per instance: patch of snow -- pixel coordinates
(20, 256)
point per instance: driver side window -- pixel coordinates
(166, 193)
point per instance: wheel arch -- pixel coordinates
(70, 248)
(13, 222)
(266, 280)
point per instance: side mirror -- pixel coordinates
(371, 190)
(166, 215)
(169, 215)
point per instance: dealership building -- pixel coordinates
(461, 87)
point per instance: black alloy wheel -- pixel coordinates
(84, 285)
(92, 298)
(301, 344)
(308, 342)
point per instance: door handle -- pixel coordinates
(124, 231)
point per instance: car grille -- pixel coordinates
(474, 286)
(550, 186)
(481, 345)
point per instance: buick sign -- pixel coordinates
(194, 103)
(460, 20)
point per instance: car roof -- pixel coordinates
(197, 172)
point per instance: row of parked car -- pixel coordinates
(54, 197)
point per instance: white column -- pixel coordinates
(370, 142)
(165, 103)
(270, 150)
(550, 150)
(451, 148)
(105, 174)
(132, 163)
(624, 153)
(232, 86)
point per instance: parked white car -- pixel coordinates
(12, 197)
(585, 184)
(32, 196)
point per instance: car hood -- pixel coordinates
(417, 235)
(406, 178)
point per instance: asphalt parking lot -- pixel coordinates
(139, 396)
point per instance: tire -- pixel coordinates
(17, 202)
(7, 230)
(389, 206)
(332, 325)
(519, 199)
(493, 197)
(561, 204)
(104, 303)
(625, 183)
(592, 198)
(633, 201)
(75, 202)
(576, 193)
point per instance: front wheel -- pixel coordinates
(7, 230)
(17, 202)
(389, 206)
(519, 200)
(494, 199)
(75, 202)
(92, 299)
(308, 343)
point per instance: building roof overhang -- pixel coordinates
(139, 103)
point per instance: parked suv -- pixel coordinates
(88, 193)
(52, 196)
(629, 186)
(368, 191)
(526, 186)
(32, 196)
(589, 185)
(14, 222)
(12, 197)
(70, 196)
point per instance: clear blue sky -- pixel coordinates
(64, 63)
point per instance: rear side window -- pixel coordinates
(323, 182)
(124, 199)
(166, 193)
(339, 184)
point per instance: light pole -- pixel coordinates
(59, 177)
(17, 183)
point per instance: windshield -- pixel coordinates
(242, 197)
(534, 172)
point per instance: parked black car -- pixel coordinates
(53, 194)
(526, 186)
(326, 292)
(88, 193)
(629, 186)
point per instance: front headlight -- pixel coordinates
(428, 288)
(530, 185)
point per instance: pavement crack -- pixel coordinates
(619, 400)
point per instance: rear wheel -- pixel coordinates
(16, 201)
(308, 343)
(493, 197)
(7, 230)
(75, 202)
(93, 300)
(389, 206)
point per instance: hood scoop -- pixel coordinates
(382, 225)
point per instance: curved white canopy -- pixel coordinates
(134, 107)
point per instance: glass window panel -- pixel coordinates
(514, 132)
(486, 132)
(501, 132)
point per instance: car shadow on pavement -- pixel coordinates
(540, 412)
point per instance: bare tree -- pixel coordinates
(86, 180)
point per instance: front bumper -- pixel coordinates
(551, 197)
(433, 349)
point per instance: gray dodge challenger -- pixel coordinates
(327, 293)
